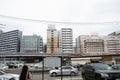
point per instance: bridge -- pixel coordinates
(73, 55)
(40, 56)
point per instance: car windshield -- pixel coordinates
(102, 67)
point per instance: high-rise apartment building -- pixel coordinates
(52, 40)
(10, 41)
(31, 43)
(89, 44)
(86, 44)
(65, 41)
(112, 44)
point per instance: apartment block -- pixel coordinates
(65, 41)
(10, 41)
(90, 44)
(113, 44)
(52, 40)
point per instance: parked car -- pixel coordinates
(34, 66)
(8, 76)
(99, 71)
(76, 65)
(19, 65)
(66, 70)
(38, 65)
(31, 67)
(3, 67)
(15, 64)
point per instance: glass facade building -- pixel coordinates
(32, 43)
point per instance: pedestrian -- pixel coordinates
(25, 74)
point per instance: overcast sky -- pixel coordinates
(75, 11)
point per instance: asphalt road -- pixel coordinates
(47, 77)
(38, 75)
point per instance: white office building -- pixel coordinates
(65, 41)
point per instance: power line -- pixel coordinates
(68, 23)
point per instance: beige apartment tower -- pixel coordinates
(90, 44)
(52, 40)
(93, 45)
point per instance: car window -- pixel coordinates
(87, 67)
(66, 68)
(102, 67)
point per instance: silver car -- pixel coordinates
(66, 70)
(8, 76)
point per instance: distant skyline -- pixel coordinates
(77, 30)
(75, 11)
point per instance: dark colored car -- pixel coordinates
(99, 71)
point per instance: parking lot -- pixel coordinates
(38, 75)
